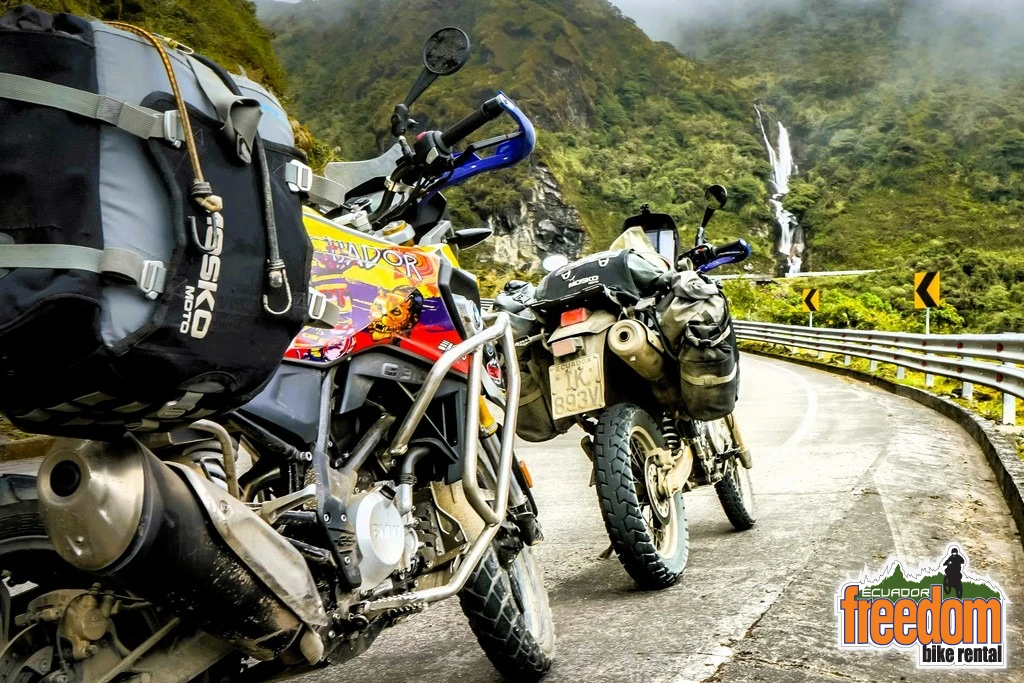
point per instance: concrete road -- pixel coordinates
(845, 475)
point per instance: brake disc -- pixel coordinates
(661, 505)
(24, 660)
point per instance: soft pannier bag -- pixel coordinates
(536, 422)
(695, 321)
(153, 263)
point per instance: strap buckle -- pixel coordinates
(299, 176)
(322, 312)
(153, 278)
(172, 128)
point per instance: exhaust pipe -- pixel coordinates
(114, 509)
(628, 340)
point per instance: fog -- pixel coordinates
(986, 29)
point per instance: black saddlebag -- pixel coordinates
(136, 292)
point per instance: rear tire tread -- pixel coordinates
(619, 505)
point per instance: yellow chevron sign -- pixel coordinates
(926, 290)
(812, 300)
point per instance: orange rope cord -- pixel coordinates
(186, 124)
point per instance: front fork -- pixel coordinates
(522, 509)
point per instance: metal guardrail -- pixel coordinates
(789, 276)
(986, 359)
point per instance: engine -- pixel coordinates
(385, 543)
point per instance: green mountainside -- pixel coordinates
(224, 30)
(621, 120)
(907, 121)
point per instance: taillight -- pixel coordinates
(575, 316)
(494, 370)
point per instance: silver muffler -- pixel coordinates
(172, 537)
(630, 341)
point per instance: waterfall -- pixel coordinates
(791, 239)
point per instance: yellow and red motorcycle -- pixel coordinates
(367, 481)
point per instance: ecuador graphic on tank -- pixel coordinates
(387, 294)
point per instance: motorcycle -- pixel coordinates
(366, 482)
(592, 339)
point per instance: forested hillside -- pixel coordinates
(907, 118)
(622, 120)
(224, 30)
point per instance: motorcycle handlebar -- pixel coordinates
(488, 111)
(738, 249)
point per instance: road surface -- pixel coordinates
(845, 475)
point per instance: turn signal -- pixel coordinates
(577, 315)
(526, 475)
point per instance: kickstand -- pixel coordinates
(607, 553)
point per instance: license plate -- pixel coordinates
(577, 386)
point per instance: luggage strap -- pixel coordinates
(320, 190)
(709, 380)
(239, 115)
(148, 275)
(139, 121)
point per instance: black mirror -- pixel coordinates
(470, 237)
(446, 51)
(715, 198)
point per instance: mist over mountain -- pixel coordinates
(992, 31)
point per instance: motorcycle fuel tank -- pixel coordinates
(387, 294)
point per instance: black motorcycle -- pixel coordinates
(635, 345)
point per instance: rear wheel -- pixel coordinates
(648, 531)
(508, 611)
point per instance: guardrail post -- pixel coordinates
(1009, 406)
(874, 366)
(901, 372)
(1009, 409)
(929, 379)
(967, 391)
(846, 361)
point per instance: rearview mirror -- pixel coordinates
(553, 262)
(715, 198)
(446, 51)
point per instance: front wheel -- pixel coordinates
(735, 491)
(736, 495)
(648, 531)
(509, 614)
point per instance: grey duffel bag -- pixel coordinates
(154, 266)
